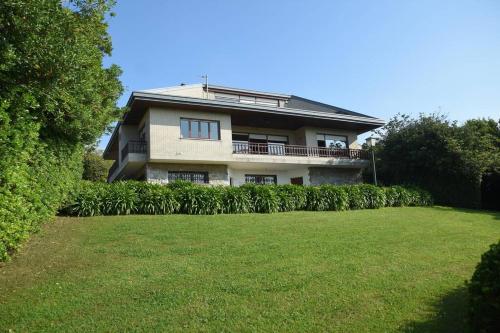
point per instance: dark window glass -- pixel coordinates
(261, 179)
(332, 141)
(240, 137)
(190, 176)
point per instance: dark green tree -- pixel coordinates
(95, 168)
(439, 155)
(55, 97)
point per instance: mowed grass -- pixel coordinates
(387, 270)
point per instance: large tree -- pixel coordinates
(441, 156)
(55, 97)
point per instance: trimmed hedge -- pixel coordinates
(132, 197)
(484, 292)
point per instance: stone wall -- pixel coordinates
(319, 176)
(158, 172)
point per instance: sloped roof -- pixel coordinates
(297, 102)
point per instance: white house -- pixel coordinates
(220, 135)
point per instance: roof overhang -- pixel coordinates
(242, 114)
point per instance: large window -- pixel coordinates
(260, 143)
(199, 129)
(190, 176)
(261, 179)
(332, 141)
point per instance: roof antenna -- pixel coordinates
(206, 84)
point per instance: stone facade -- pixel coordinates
(319, 176)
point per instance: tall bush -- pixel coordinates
(291, 197)
(335, 197)
(484, 292)
(55, 98)
(236, 200)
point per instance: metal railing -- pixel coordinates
(295, 150)
(134, 146)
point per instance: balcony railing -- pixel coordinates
(294, 150)
(135, 147)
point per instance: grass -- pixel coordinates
(387, 270)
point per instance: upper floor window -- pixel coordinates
(200, 129)
(332, 141)
(246, 99)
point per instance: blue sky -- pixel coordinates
(374, 57)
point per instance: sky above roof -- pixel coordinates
(373, 57)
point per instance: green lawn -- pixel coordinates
(387, 270)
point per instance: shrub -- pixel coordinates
(374, 196)
(120, 199)
(484, 292)
(335, 197)
(290, 197)
(128, 197)
(315, 199)
(89, 200)
(156, 199)
(199, 200)
(397, 196)
(355, 197)
(263, 198)
(236, 200)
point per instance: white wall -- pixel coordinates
(166, 143)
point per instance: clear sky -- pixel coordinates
(374, 57)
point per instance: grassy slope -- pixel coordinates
(394, 269)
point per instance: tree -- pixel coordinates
(56, 96)
(431, 152)
(95, 168)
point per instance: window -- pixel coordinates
(190, 176)
(261, 179)
(332, 141)
(199, 129)
(246, 99)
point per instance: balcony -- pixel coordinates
(273, 149)
(134, 147)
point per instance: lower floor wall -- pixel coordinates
(226, 175)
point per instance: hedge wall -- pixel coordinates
(131, 197)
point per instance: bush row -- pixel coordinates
(130, 197)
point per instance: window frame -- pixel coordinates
(275, 178)
(208, 121)
(205, 175)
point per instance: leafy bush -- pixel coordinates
(484, 292)
(335, 197)
(355, 197)
(291, 197)
(90, 199)
(157, 199)
(374, 196)
(315, 199)
(129, 197)
(397, 196)
(236, 201)
(199, 200)
(264, 198)
(120, 199)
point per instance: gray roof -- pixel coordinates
(296, 102)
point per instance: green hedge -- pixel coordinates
(484, 292)
(131, 197)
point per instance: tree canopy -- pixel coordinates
(439, 155)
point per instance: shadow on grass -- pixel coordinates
(493, 213)
(451, 315)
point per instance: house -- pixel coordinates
(227, 136)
